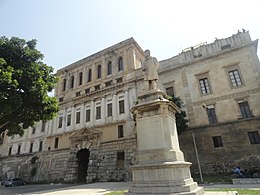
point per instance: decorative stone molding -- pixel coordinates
(85, 138)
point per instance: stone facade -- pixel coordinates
(219, 84)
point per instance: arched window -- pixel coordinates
(64, 85)
(80, 78)
(109, 68)
(99, 71)
(89, 75)
(72, 81)
(120, 64)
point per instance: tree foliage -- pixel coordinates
(24, 85)
(181, 121)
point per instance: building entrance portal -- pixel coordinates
(83, 159)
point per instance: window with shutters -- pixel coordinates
(204, 86)
(211, 115)
(235, 78)
(245, 110)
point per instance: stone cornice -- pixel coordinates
(229, 96)
(204, 127)
(76, 130)
(99, 93)
(196, 60)
(101, 53)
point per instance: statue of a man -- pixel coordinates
(149, 67)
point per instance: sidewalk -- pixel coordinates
(106, 187)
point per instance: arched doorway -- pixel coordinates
(83, 159)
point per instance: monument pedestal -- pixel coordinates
(160, 167)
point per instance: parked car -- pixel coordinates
(14, 182)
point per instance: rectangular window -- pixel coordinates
(225, 46)
(77, 117)
(254, 137)
(217, 141)
(98, 112)
(119, 80)
(60, 121)
(121, 107)
(40, 146)
(245, 110)
(120, 163)
(109, 83)
(212, 115)
(56, 142)
(10, 150)
(87, 91)
(204, 86)
(31, 148)
(169, 91)
(87, 115)
(109, 109)
(120, 131)
(235, 78)
(68, 119)
(97, 87)
(19, 149)
(78, 94)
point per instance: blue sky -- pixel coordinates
(69, 30)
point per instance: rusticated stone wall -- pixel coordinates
(62, 166)
(109, 170)
(236, 151)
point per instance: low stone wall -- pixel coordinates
(246, 181)
(36, 167)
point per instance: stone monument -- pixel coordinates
(160, 167)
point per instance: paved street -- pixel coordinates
(95, 189)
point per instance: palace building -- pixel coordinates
(93, 138)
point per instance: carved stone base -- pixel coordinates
(163, 178)
(160, 167)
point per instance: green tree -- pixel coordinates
(24, 85)
(181, 121)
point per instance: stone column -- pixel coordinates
(50, 127)
(55, 125)
(73, 117)
(115, 111)
(103, 109)
(92, 113)
(82, 115)
(126, 104)
(160, 167)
